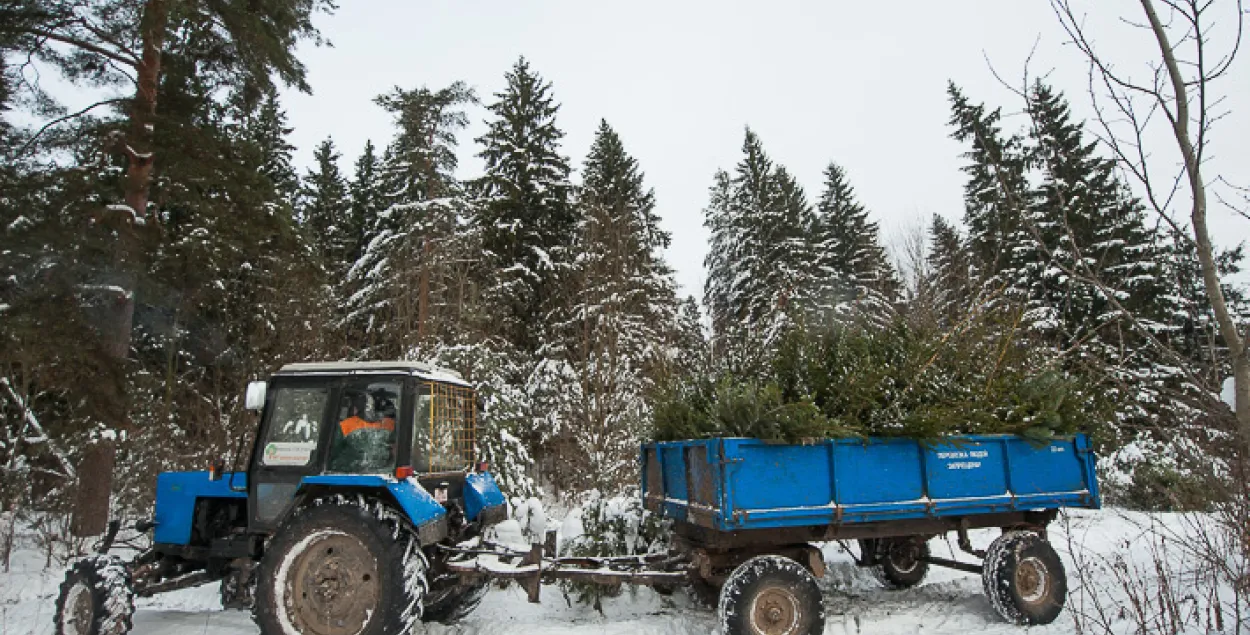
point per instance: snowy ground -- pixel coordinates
(947, 602)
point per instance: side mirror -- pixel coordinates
(255, 399)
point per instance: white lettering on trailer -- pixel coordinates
(974, 454)
(963, 465)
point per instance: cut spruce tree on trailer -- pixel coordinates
(976, 377)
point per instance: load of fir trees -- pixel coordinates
(898, 381)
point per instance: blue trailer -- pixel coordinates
(746, 513)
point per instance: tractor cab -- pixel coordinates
(362, 479)
(345, 424)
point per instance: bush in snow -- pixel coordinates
(613, 526)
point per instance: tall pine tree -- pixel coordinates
(854, 276)
(619, 321)
(526, 216)
(408, 283)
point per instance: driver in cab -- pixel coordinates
(361, 417)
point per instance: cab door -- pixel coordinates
(290, 445)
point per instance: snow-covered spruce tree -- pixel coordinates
(610, 526)
(689, 342)
(721, 261)
(266, 128)
(1097, 280)
(324, 209)
(491, 366)
(854, 277)
(406, 290)
(368, 198)
(996, 179)
(951, 269)
(759, 261)
(528, 224)
(526, 214)
(617, 324)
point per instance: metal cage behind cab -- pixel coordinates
(451, 431)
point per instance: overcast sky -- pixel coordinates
(859, 83)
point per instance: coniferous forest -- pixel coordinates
(160, 249)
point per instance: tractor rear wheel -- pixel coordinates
(450, 598)
(341, 567)
(96, 598)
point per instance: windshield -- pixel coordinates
(445, 428)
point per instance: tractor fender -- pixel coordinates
(426, 514)
(481, 494)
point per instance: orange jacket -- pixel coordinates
(354, 423)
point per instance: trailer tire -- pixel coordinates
(341, 565)
(900, 562)
(96, 598)
(1024, 578)
(771, 595)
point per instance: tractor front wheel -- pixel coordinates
(96, 598)
(341, 567)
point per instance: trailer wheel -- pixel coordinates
(1024, 578)
(771, 595)
(96, 598)
(900, 562)
(341, 567)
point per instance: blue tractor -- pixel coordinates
(360, 478)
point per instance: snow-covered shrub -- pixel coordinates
(1175, 474)
(613, 526)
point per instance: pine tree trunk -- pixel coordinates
(96, 472)
(423, 300)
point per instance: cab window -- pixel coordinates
(363, 437)
(294, 425)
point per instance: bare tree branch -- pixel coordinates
(60, 120)
(83, 44)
